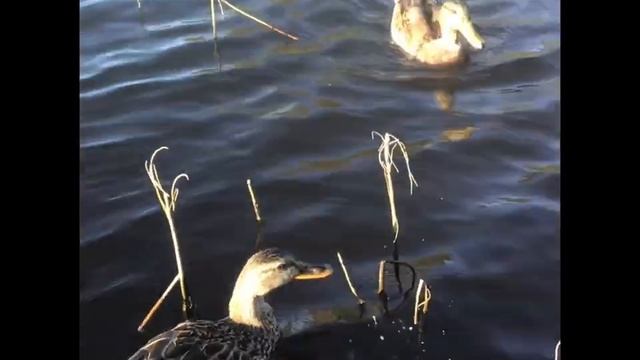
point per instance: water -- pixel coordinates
(295, 117)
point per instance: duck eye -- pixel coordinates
(282, 266)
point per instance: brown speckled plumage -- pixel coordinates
(211, 340)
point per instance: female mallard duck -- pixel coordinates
(250, 332)
(429, 32)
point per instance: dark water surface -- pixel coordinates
(295, 117)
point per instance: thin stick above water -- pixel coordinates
(156, 306)
(213, 18)
(415, 307)
(346, 275)
(381, 277)
(242, 12)
(254, 201)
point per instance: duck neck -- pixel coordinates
(248, 308)
(447, 34)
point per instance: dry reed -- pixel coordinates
(167, 202)
(385, 158)
(424, 304)
(346, 275)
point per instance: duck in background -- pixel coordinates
(429, 32)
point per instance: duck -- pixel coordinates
(250, 331)
(429, 33)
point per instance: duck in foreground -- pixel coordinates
(429, 32)
(250, 332)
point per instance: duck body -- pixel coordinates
(410, 25)
(429, 33)
(251, 330)
(211, 340)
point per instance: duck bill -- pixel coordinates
(473, 38)
(313, 272)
